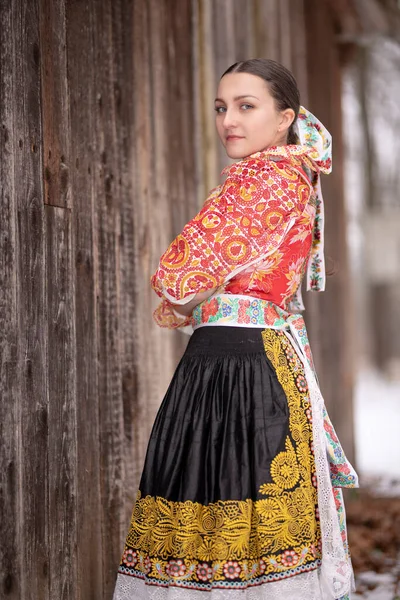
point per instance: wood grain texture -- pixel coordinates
(331, 337)
(298, 47)
(285, 37)
(85, 173)
(60, 305)
(206, 79)
(119, 417)
(106, 215)
(10, 438)
(55, 104)
(269, 28)
(243, 13)
(32, 322)
(62, 419)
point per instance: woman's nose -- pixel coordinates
(230, 120)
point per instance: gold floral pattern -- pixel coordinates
(239, 541)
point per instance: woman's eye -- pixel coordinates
(220, 109)
(246, 106)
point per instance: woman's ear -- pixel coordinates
(287, 117)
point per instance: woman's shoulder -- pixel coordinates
(271, 167)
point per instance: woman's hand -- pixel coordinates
(187, 309)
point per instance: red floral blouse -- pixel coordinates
(253, 235)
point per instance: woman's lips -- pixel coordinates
(233, 138)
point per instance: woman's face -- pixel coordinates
(246, 116)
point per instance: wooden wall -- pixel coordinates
(107, 149)
(97, 163)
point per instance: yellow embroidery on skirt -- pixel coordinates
(278, 532)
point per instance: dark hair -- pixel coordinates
(281, 84)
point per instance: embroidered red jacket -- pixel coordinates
(253, 235)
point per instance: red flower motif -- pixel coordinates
(232, 569)
(209, 309)
(274, 205)
(147, 565)
(342, 468)
(291, 356)
(130, 557)
(204, 572)
(206, 261)
(301, 383)
(262, 566)
(314, 281)
(176, 568)
(243, 317)
(290, 558)
(328, 427)
(284, 184)
(270, 315)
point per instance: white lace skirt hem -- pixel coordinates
(305, 586)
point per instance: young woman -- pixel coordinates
(240, 496)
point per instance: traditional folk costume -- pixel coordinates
(240, 496)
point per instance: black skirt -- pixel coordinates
(227, 498)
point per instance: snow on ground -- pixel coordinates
(377, 434)
(377, 426)
(383, 586)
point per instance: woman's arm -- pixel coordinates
(246, 222)
(187, 309)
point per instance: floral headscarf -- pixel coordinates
(316, 137)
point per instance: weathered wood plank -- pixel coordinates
(81, 60)
(223, 28)
(107, 224)
(139, 209)
(245, 40)
(329, 315)
(182, 179)
(32, 321)
(181, 198)
(285, 38)
(159, 344)
(55, 108)
(180, 114)
(224, 55)
(62, 458)
(10, 491)
(298, 47)
(144, 204)
(268, 29)
(126, 266)
(205, 85)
